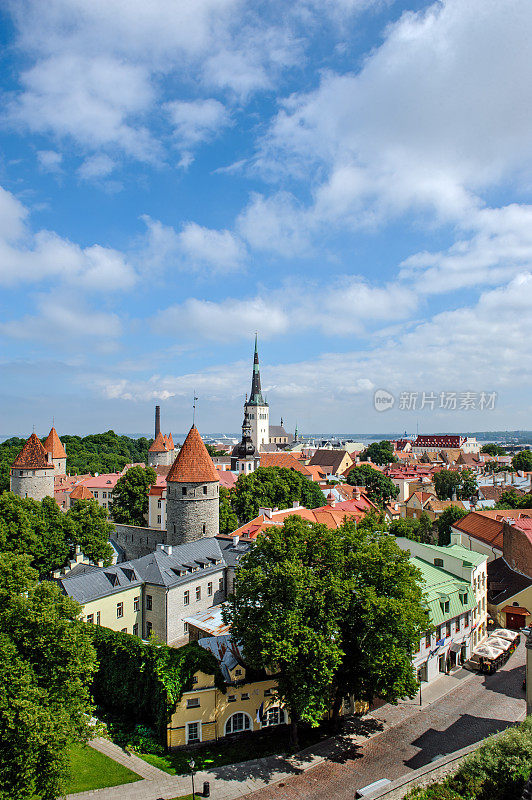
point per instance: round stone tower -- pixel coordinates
(192, 493)
(32, 473)
(56, 452)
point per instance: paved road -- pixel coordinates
(483, 705)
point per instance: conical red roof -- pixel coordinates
(159, 445)
(54, 446)
(32, 456)
(81, 492)
(193, 463)
(170, 442)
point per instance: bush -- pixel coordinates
(140, 683)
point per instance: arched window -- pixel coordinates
(238, 723)
(273, 716)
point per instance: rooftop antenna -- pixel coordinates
(194, 409)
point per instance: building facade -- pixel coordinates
(256, 409)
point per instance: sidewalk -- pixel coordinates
(236, 780)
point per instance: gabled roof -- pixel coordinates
(32, 456)
(159, 445)
(329, 458)
(503, 582)
(81, 492)
(54, 446)
(285, 460)
(487, 526)
(193, 463)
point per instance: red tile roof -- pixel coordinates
(54, 446)
(81, 492)
(487, 526)
(32, 456)
(516, 610)
(170, 442)
(226, 478)
(159, 445)
(193, 463)
(286, 460)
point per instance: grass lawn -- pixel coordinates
(245, 748)
(93, 770)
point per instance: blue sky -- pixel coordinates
(351, 178)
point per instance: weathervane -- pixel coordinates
(194, 408)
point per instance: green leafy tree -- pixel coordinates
(297, 595)
(419, 529)
(493, 449)
(46, 664)
(130, 496)
(9, 450)
(451, 482)
(228, 518)
(214, 453)
(48, 536)
(273, 487)
(380, 453)
(91, 530)
(379, 488)
(511, 499)
(522, 461)
(445, 521)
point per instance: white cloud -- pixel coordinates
(98, 166)
(275, 224)
(27, 257)
(435, 116)
(220, 251)
(197, 120)
(49, 160)
(60, 318)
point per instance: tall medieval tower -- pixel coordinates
(256, 410)
(32, 473)
(192, 494)
(56, 452)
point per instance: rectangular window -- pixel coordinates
(119, 610)
(204, 490)
(231, 698)
(193, 732)
(193, 702)
(238, 672)
(90, 618)
(136, 603)
(95, 493)
(457, 624)
(159, 503)
(195, 679)
(136, 629)
(427, 640)
(198, 592)
(448, 629)
(104, 495)
(267, 692)
(159, 518)
(184, 490)
(438, 562)
(186, 598)
(438, 633)
(185, 627)
(221, 584)
(209, 589)
(148, 602)
(244, 696)
(149, 627)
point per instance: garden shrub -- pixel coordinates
(141, 683)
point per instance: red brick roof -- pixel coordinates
(193, 463)
(32, 456)
(487, 526)
(81, 492)
(170, 442)
(159, 445)
(54, 446)
(285, 460)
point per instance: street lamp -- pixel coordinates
(192, 765)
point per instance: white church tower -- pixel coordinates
(256, 410)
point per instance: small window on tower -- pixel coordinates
(204, 490)
(184, 490)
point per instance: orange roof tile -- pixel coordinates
(54, 446)
(193, 463)
(32, 456)
(170, 442)
(81, 492)
(285, 460)
(159, 445)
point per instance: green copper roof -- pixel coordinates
(440, 587)
(460, 552)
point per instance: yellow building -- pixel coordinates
(250, 703)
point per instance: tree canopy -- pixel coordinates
(332, 612)
(446, 519)
(48, 535)
(380, 453)
(493, 449)
(419, 529)
(378, 487)
(448, 482)
(511, 499)
(522, 461)
(273, 487)
(46, 664)
(228, 518)
(130, 496)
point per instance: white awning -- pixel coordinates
(455, 647)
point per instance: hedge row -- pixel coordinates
(498, 770)
(142, 682)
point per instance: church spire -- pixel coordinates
(256, 398)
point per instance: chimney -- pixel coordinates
(266, 512)
(157, 420)
(236, 539)
(357, 493)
